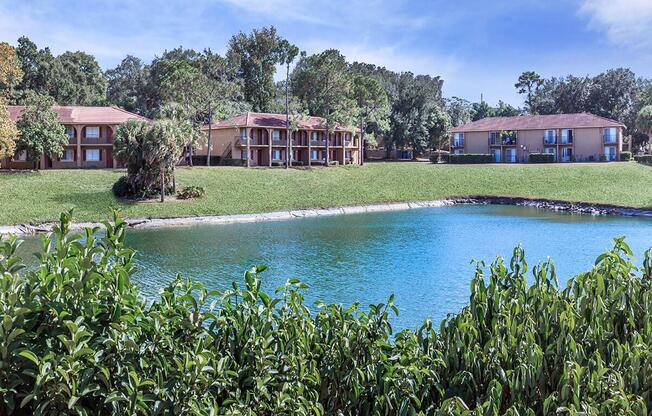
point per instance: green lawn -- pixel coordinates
(41, 196)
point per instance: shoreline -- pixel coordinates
(546, 204)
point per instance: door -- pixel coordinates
(109, 158)
(495, 153)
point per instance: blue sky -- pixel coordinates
(477, 46)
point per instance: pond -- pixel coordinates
(423, 256)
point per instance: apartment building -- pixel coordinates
(259, 139)
(90, 132)
(579, 137)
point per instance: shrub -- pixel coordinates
(646, 159)
(77, 338)
(189, 192)
(625, 156)
(122, 188)
(217, 161)
(541, 158)
(438, 157)
(470, 158)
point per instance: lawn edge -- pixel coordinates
(184, 221)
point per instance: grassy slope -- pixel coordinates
(36, 197)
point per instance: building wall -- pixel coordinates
(587, 143)
(220, 140)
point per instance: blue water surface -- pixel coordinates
(423, 256)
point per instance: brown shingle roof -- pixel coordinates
(539, 122)
(84, 115)
(270, 120)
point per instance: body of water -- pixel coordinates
(423, 256)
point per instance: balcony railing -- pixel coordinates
(458, 143)
(610, 139)
(96, 140)
(318, 142)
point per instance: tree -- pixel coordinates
(287, 53)
(127, 85)
(10, 72)
(372, 106)
(505, 110)
(8, 132)
(415, 96)
(323, 82)
(481, 110)
(439, 126)
(40, 132)
(83, 83)
(41, 70)
(459, 110)
(256, 55)
(529, 82)
(644, 123)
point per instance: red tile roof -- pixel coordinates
(270, 120)
(539, 122)
(84, 115)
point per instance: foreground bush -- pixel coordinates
(645, 159)
(541, 158)
(470, 158)
(190, 192)
(76, 337)
(625, 156)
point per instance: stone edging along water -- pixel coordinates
(548, 204)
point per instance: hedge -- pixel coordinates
(217, 161)
(625, 156)
(541, 158)
(470, 158)
(646, 159)
(77, 337)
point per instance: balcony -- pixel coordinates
(458, 143)
(96, 140)
(610, 139)
(318, 142)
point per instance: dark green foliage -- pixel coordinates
(77, 338)
(122, 188)
(190, 192)
(625, 156)
(470, 158)
(217, 161)
(541, 158)
(645, 159)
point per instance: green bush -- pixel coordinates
(77, 338)
(190, 192)
(122, 188)
(625, 156)
(470, 158)
(646, 159)
(541, 158)
(217, 161)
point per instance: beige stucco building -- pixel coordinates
(579, 137)
(90, 132)
(259, 139)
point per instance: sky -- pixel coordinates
(476, 46)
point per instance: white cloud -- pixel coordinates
(626, 22)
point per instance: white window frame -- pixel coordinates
(88, 159)
(93, 129)
(68, 155)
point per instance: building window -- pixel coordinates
(21, 157)
(276, 135)
(610, 135)
(566, 136)
(550, 137)
(68, 155)
(93, 155)
(610, 153)
(495, 153)
(313, 136)
(458, 152)
(494, 138)
(276, 154)
(458, 140)
(70, 131)
(243, 134)
(314, 155)
(92, 132)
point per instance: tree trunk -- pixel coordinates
(190, 154)
(162, 177)
(328, 156)
(288, 145)
(361, 147)
(174, 180)
(208, 149)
